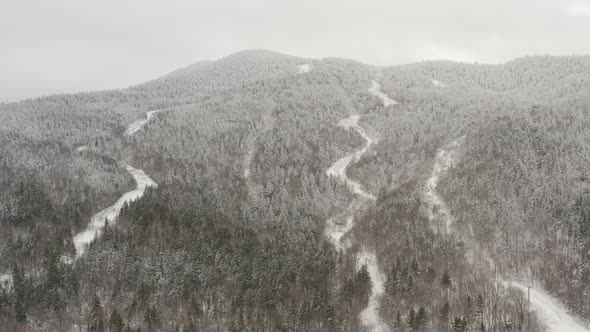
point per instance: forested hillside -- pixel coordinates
(234, 236)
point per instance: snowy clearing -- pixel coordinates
(549, 310)
(438, 83)
(247, 161)
(303, 68)
(6, 281)
(81, 148)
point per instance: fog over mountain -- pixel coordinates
(71, 46)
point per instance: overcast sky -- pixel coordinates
(60, 46)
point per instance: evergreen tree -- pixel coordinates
(95, 316)
(412, 319)
(151, 317)
(459, 325)
(446, 280)
(20, 294)
(116, 323)
(414, 267)
(398, 323)
(392, 283)
(480, 307)
(444, 315)
(363, 283)
(421, 319)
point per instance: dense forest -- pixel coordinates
(233, 237)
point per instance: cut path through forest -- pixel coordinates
(335, 231)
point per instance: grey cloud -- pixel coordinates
(68, 46)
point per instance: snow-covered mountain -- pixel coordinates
(305, 195)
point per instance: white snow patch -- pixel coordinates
(303, 68)
(438, 83)
(375, 89)
(6, 281)
(97, 223)
(81, 148)
(370, 315)
(247, 161)
(137, 125)
(551, 312)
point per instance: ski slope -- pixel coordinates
(338, 169)
(110, 214)
(375, 89)
(336, 229)
(97, 223)
(137, 125)
(550, 311)
(436, 208)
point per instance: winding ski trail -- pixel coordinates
(549, 310)
(137, 125)
(97, 223)
(335, 229)
(435, 206)
(375, 89)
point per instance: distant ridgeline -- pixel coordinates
(480, 174)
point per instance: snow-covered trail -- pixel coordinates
(338, 169)
(370, 315)
(303, 68)
(339, 225)
(438, 84)
(436, 208)
(549, 310)
(97, 223)
(336, 229)
(375, 89)
(137, 125)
